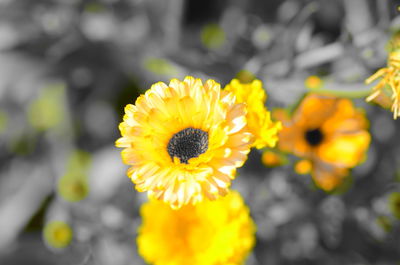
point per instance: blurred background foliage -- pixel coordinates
(68, 68)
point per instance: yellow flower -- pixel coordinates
(329, 132)
(209, 233)
(184, 141)
(303, 167)
(258, 117)
(387, 91)
(313, 82)
(272, 159)
(57, 234)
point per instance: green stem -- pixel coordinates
(342, 93)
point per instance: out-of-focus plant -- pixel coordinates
(73, 186)
(3, 121)
(160, 66)
(57, 234)
(213, 36)
(394, 204)
(48, 110)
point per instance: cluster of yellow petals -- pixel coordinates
(258, 117)
(387, 91)
(342, 132)
(211, 233)
(165, 110)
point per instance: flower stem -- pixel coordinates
(357, 93)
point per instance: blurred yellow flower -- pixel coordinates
(272, 159)
(258, 117)
(329, 132)
(57, 234)
(313, 82)
(303, 166)
(209, 233)
(184, 141)
(387, 91)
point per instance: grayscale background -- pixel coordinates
(68, 68)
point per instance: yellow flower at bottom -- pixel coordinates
(258, 117)
(184, 141)
(57, 234)
(210, 233)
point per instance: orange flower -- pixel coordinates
(330, 133)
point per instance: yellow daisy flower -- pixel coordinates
(258, 117)
(209, 233)
(184, 141)
(57, 234)
(387, 91)
(327, 131)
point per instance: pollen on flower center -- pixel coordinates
(187, 143)
(314, 137)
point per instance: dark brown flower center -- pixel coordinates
(314, 137)
(187, 144)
